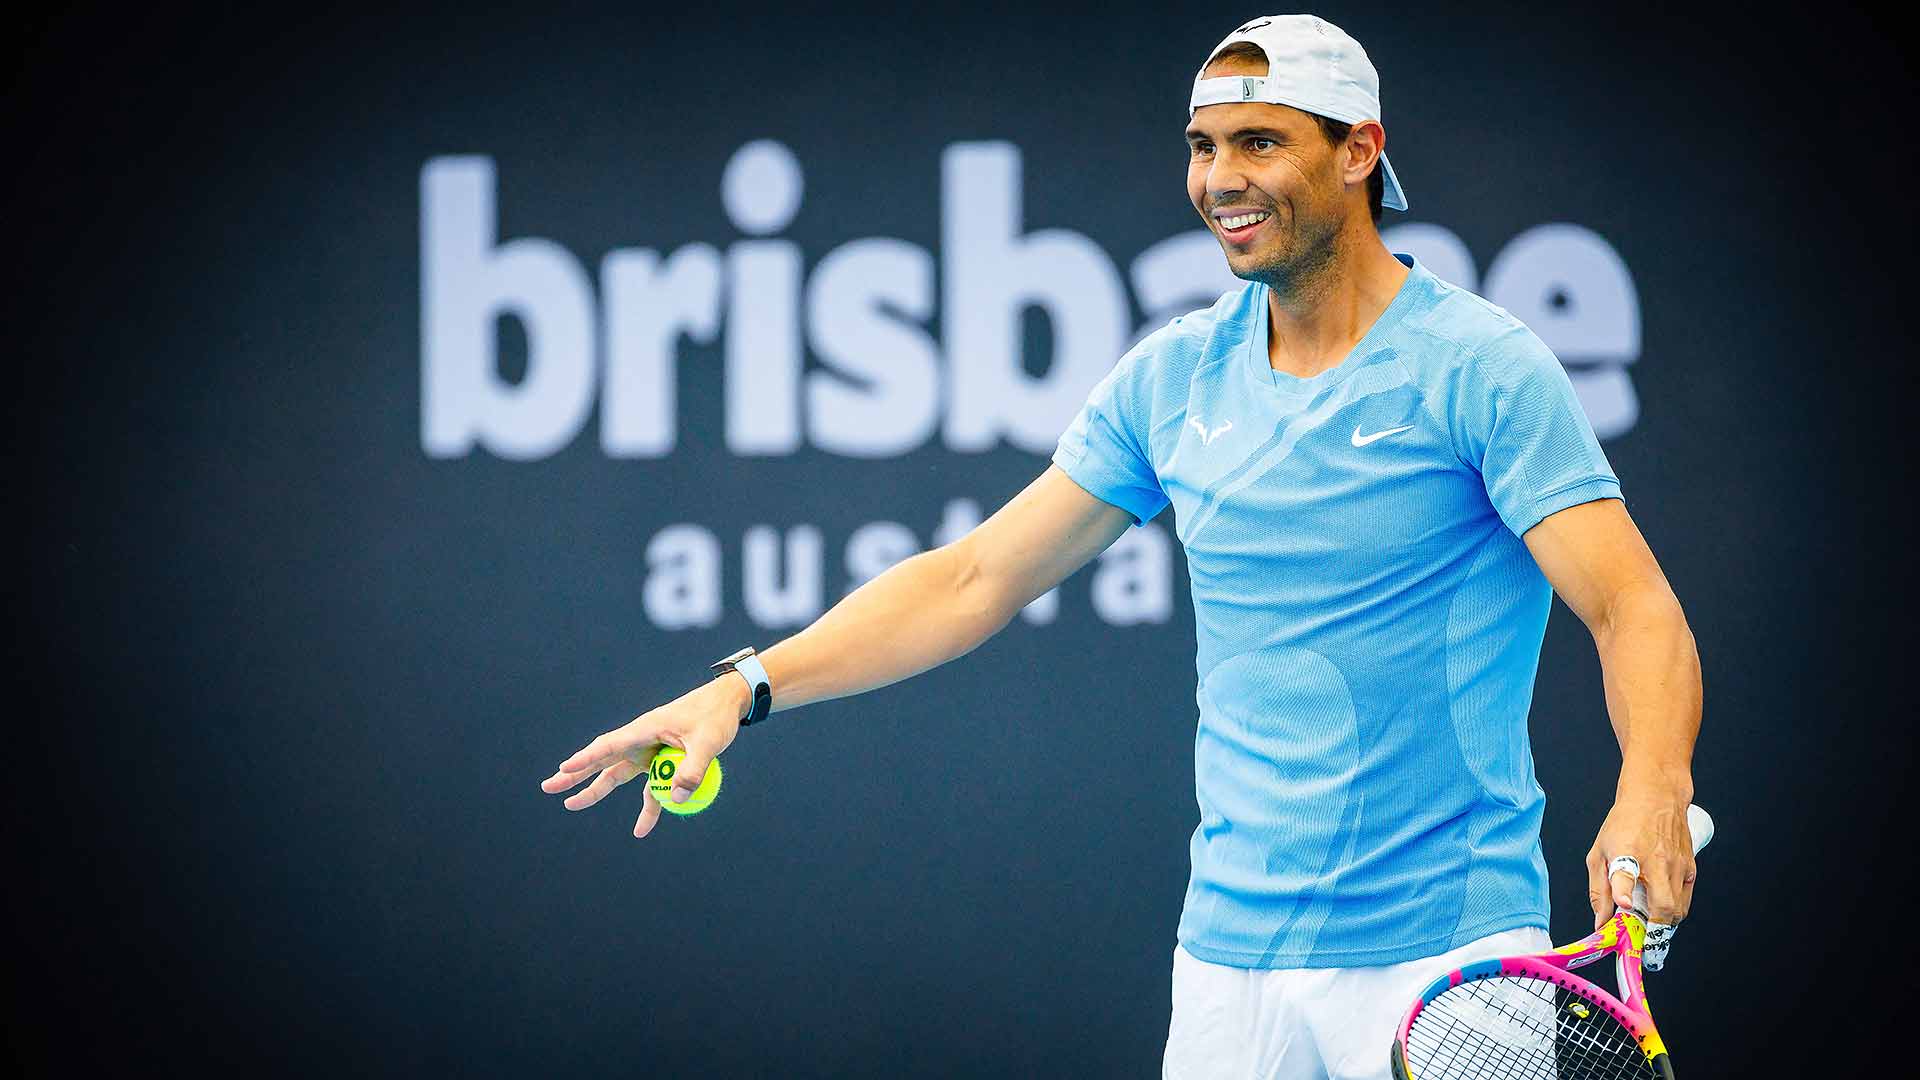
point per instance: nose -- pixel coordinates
(1225, 176)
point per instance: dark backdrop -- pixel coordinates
(293, 680)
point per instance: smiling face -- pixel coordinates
(1268, 184)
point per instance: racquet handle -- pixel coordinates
(1700, 824)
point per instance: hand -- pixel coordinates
(1652, 829)
(703, 722)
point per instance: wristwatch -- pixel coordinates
(745, 664)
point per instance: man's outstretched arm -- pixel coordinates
(919, 614)
(1598, 562)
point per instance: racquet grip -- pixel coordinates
(1700, 824)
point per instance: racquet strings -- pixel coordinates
(1507, 1028)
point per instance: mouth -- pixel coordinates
(1238, 226)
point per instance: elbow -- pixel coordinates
(974, 595)
(1643, 608)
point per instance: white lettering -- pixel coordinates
(1570, 286)
(1132, 583)
(682, 590)
(761, 187)
(990, 275)
(466, 281)
(884, 385)
(777, 597)
(648, 308)
(763, 347)
(885, 399)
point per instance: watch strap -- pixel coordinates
(748, 666)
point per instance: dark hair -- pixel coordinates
(1335, 132)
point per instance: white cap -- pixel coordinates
(1313, 66)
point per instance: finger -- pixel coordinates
(1667, 890)
(562, 780)
(611, 777)
(692, 769)
(605, 750)
(1620, 890)
(649, 813)
(602, 752)
(1663, 923)
(1669, 896)
(1622, 873)
(1597, 888)
(1657, 894)
(577, 768)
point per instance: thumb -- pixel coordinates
(692, 770)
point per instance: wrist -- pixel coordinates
(1654, 781)
(735, 691)
(746, 667)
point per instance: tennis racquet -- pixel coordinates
(1531, 1018)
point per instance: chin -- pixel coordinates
(1243, 263)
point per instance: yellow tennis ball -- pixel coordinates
(666, 762)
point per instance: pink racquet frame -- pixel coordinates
(1623, 937)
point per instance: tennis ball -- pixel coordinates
(666, 762)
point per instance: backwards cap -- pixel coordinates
(1313, 66)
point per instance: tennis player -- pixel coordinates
(1380, 480)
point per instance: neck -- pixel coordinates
(1317, 321)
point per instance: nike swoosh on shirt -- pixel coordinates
(1362, 440)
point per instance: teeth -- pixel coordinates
(1244, 220)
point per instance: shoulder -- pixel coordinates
(1461, 334)
(1187, 341)
(1151, 380)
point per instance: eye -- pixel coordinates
(1260, 145)
(1200, 147)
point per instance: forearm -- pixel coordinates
(918, 614)
(1651, 671)
(1598, 562)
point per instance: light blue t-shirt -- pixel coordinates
(1368, 620)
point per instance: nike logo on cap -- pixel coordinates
(1362, 440)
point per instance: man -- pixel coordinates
(1376, 477)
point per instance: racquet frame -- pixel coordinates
(1622, 937)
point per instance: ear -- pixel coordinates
(1365, 143)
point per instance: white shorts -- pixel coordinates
(1233, 1023)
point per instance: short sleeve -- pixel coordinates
(1104, 450)
(1524, 429)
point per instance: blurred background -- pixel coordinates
(404, 399)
